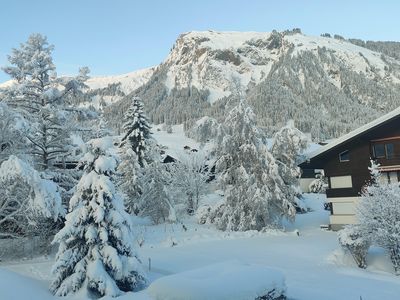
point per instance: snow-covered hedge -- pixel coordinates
(351, 238)
(228, 280)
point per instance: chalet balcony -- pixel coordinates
(342, 192)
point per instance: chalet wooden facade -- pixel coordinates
(345, 162)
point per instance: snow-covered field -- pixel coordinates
(188, 257)
(312, 263)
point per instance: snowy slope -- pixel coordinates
(129, 81)
(213, 60)
(312, 263)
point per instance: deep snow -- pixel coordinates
(314, 266)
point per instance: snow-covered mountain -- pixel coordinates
(327, 85)
(129, 81)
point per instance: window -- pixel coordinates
(340, 182)
(344, 156)
(389, 151)
(379, 150)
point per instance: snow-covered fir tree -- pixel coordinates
(136, 130)
(41, 97)
(130, 178)
(288, 144)
(254, 189)
(378, 213)
(96, 244)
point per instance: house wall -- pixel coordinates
(344, 193)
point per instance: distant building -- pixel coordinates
(345, 162)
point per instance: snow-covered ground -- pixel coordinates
(312, 263)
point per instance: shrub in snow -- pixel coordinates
(137, 130)
(96, 244)
(254, 190)
(318, 185)
(25, 198)
(356, 241)
(378, 213)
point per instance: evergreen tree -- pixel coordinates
(41, 97)
(254, 190)
(288, 144)
(96, 244)
(137, 130)
(129, 181)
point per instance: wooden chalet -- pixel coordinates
(345, 162)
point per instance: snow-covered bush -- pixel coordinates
(96, 251)
(25, 198)
(378, 213)
(318, 185)
(249, 175)
(353, 239)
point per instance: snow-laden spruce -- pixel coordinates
(25, 197)
(96, 250)
(254, 190)
(288, 144)
(137, 130)
(129, 181)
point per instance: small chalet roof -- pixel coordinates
(355, 133)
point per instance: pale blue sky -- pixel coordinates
(119, 36)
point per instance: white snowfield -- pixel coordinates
(312, 264)
(210, 264)
(129, 81)
(226, 281)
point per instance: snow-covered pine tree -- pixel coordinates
(129, 181)
(288, 144)
(254, 190)
(378, 213)
(137, 130)
(96, 245)
(41, 96)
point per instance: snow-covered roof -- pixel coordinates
(356, 132)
